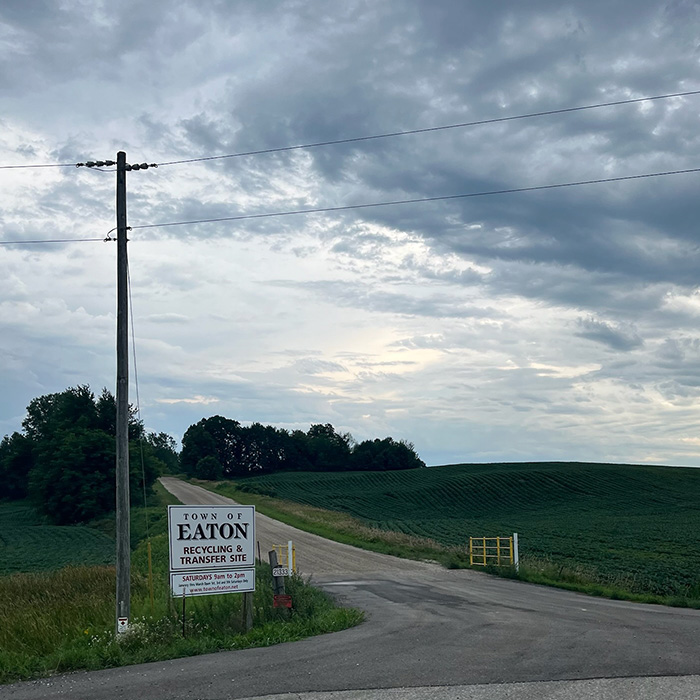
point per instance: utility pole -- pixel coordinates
(122, 467)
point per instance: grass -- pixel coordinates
(616, 530)
(146, 520)
(345, 528)
(63, 620)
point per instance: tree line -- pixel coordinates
(219, 447)
(64, 457)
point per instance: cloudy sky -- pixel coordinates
(559, 324)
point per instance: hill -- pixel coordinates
(627, 525)
(28, 543)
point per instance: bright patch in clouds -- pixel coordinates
(559, 324)
(200, 400)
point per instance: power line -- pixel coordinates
(392, 134)
(433, 128)
(56, 240)
(348, 207)
(97, 166)
(467, 195)
(42, 165)
(55, 165)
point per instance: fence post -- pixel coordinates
(278, 581)
(248, 610)
(516, 556)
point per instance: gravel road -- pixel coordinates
(314, 555)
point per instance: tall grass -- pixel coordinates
(64, 620)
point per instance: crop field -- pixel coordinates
(633, 526)
(27, 544)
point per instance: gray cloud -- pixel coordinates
(473, 312)
(616, 338)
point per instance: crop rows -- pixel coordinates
(28, 545)
(631, 523)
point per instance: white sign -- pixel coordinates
(122, 624)
(280, 571)
(211, 537)
(212, 582)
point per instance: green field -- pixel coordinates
(28, 544)
(635, 527)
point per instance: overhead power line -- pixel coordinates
(95, 166)
(418, 200)
(56, 240)
(35, 165)
(429, 129)
(390, 134)
(349, 207)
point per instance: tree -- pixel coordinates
(298, 452)
(164, 448)
(16, 461)
(208, 468)
(217, 437)
(329, 451)
(73, 478)
(65, 460)
(385, 455)
(73, 408)
(265, 449)
(221, 447)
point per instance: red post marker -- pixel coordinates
(282, 601)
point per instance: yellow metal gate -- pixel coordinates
(286, 555)
(491, 551)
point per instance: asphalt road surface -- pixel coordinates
(430, 633)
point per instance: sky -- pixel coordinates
(555, 324)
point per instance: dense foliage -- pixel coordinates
(631, 526)
(219, 447)
(64, 460)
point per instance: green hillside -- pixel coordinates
(27, 544)
(636, 526)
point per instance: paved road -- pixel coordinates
(430, 633)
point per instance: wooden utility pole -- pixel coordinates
(122, 470)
